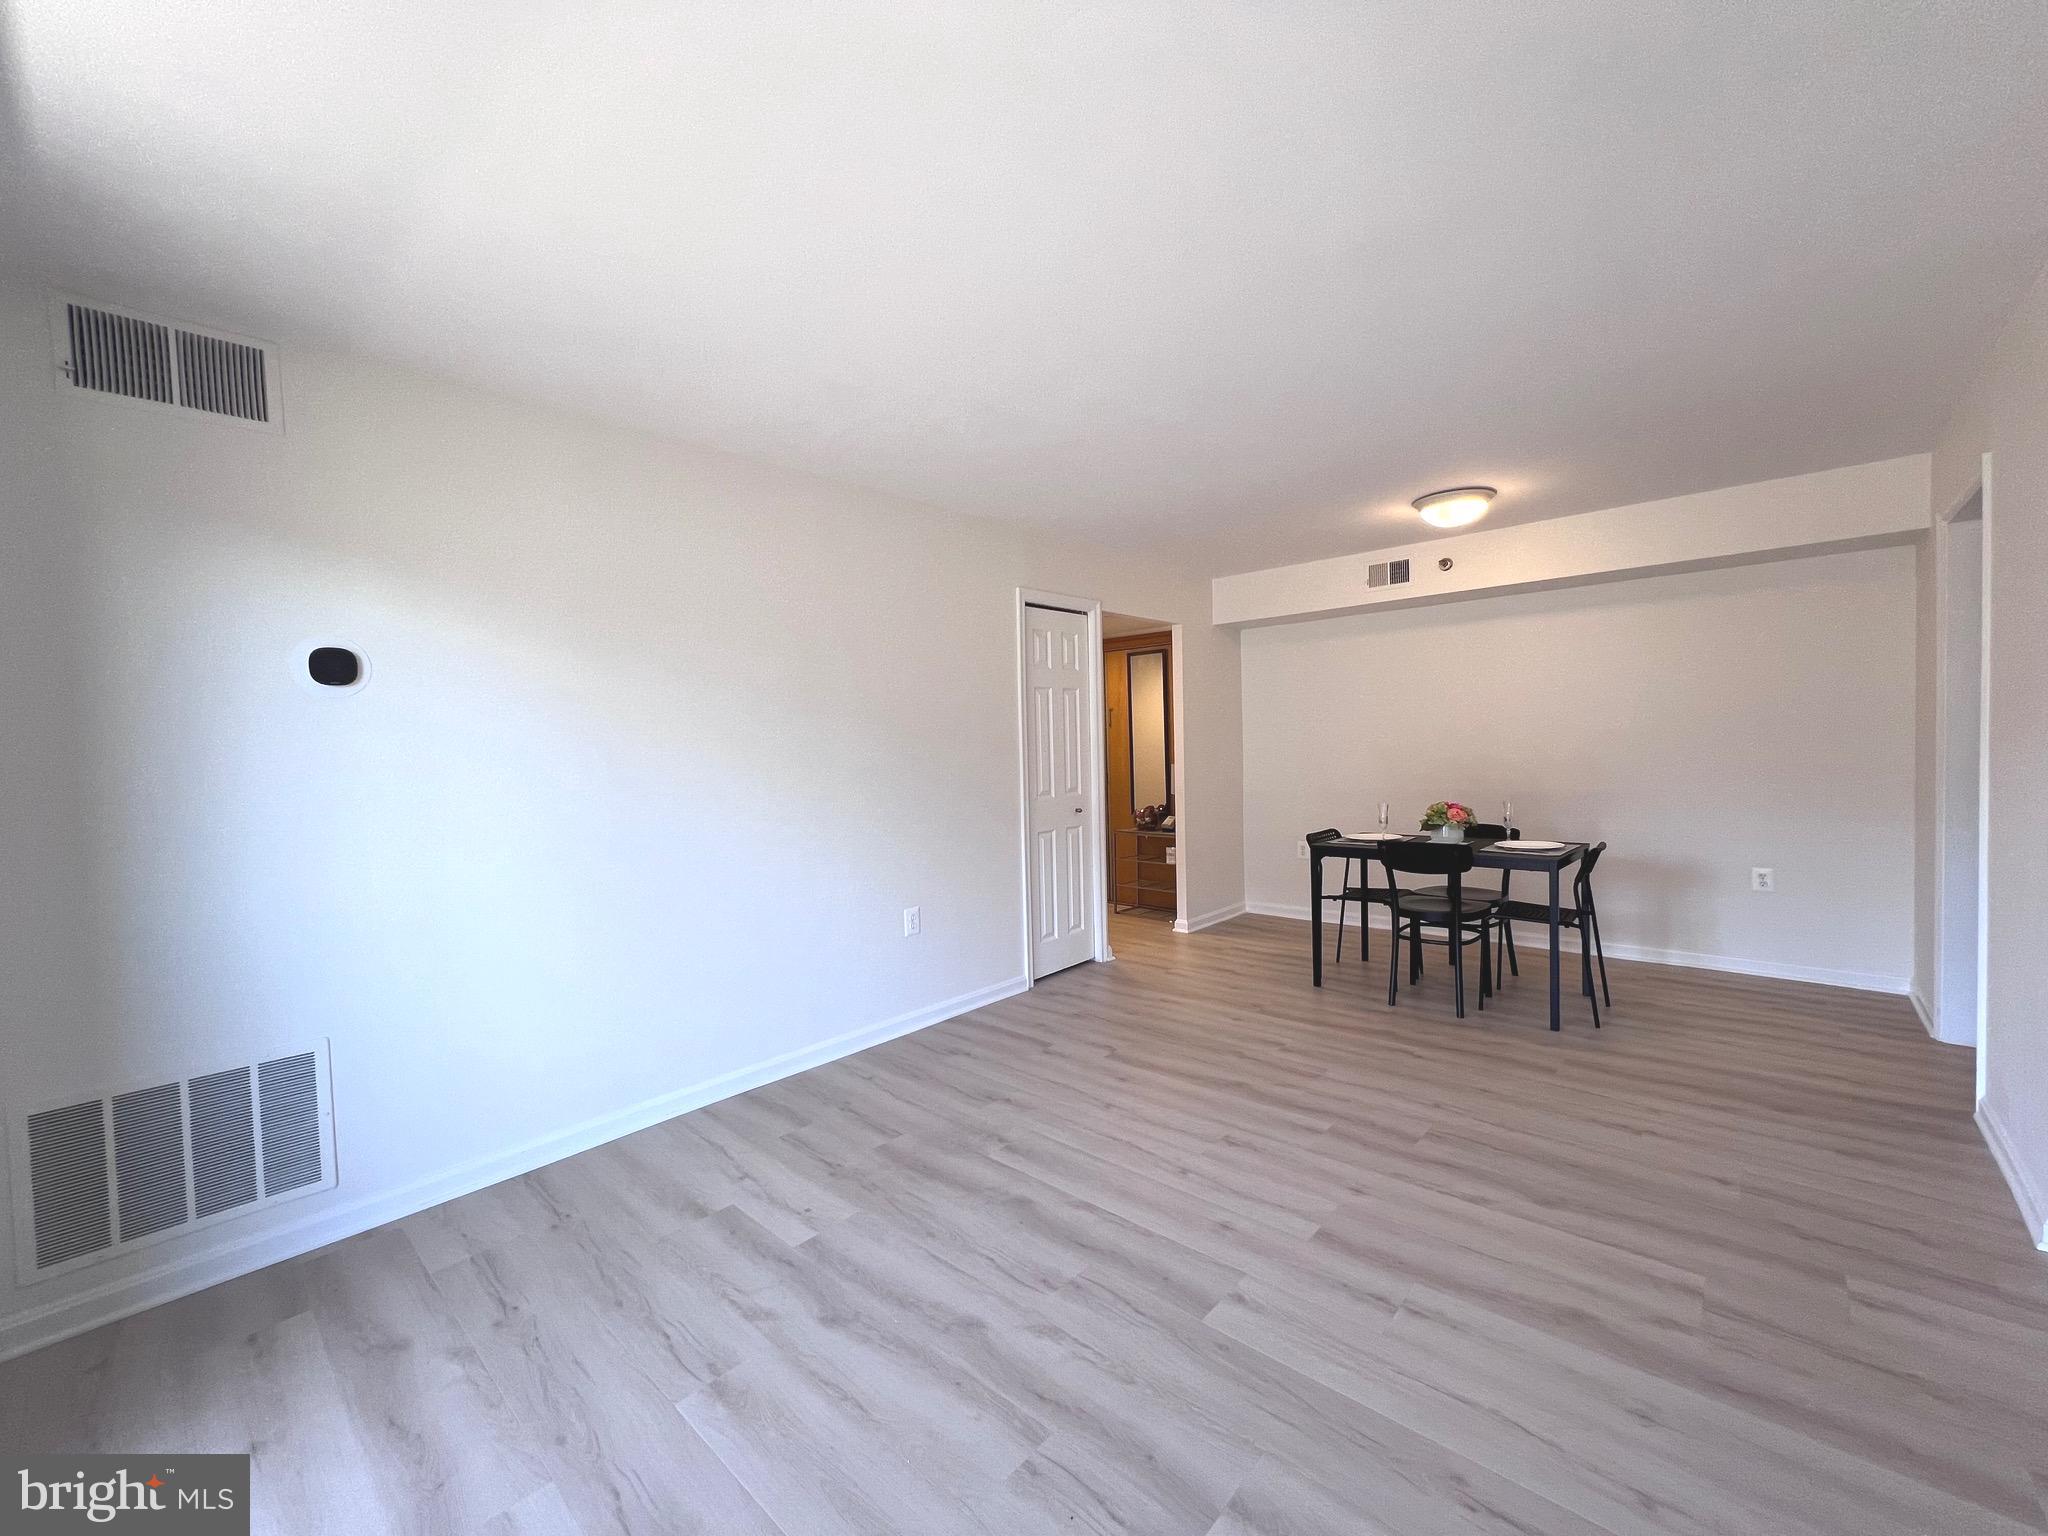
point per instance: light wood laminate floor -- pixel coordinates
(1176, 1244)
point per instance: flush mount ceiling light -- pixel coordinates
(1454, 509)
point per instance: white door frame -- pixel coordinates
(1178, 675)
(1944, 532)
(1031, 597)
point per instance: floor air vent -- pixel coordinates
(100, 1175)
(131, 357)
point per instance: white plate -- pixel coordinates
(1375, 837)
(1531, 845)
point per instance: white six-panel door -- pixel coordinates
(1059, 739)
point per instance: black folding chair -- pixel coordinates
(1582, 915)
(1352, 888)
(1457, 911)
(1504, 952)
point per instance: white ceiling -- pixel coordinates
(1237, 277)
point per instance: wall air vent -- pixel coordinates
(1386, 573)
(119, 355)
(99, 1174)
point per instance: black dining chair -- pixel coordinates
(1503, 952)
(1458, 912)
(1350, 889)
(1584, 915)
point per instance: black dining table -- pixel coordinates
(1484, 856)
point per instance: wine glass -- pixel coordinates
(1507, 816)
(1383, 818)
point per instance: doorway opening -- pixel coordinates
(1961, 808)
(1141, 862)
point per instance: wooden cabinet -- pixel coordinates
(1144, 869)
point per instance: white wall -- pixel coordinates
(657, 745)
(2005, 415)
(1701, 724)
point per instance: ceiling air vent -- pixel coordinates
(222, 376)
(119, 355)
(109, 1172)
(1386, 573)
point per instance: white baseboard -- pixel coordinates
(1926, 1011)
(328, 1222)
(1208, 919)
(1931, 1021)
(1862, 981)
(2033, 1200)
(1301, 913)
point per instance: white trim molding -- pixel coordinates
(1961, 1031)
(1982, 1023)
(1737, 965)
(1300, 913)
(194, 1271)
(1926, 1011)
(2033, 1201)
(1208, 919)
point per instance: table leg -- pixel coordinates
(1315, 910)
(1556, 1004)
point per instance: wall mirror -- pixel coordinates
(1151, 717)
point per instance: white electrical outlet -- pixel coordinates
(1761, 879)
(913, 922)
(1301, 849)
